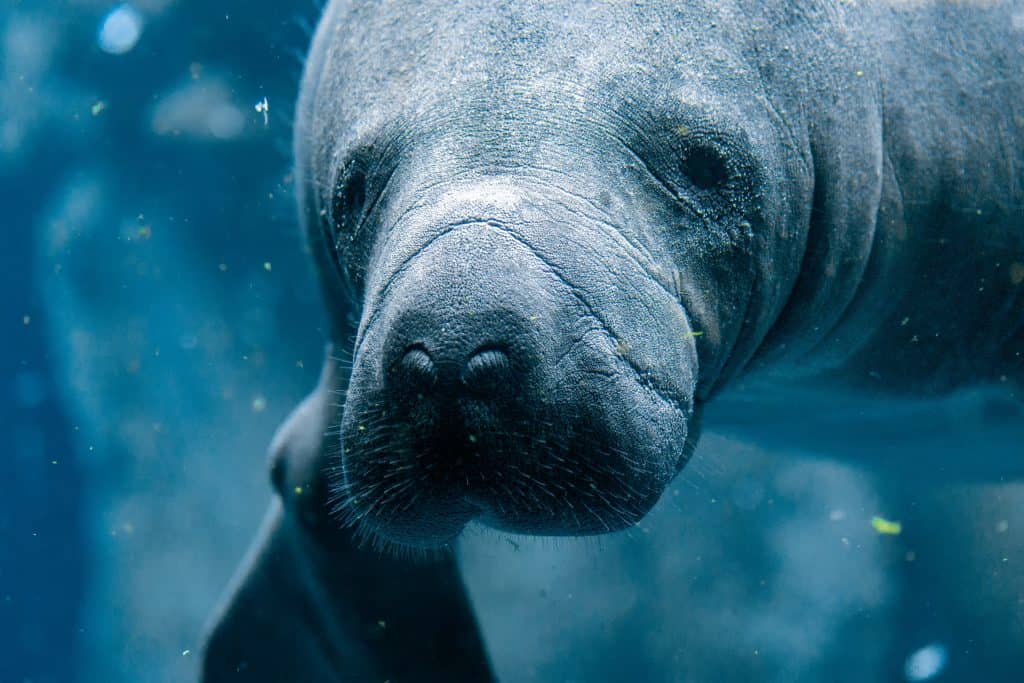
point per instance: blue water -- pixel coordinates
(159, 320)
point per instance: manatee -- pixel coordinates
(549, 234)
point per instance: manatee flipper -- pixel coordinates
(309, 604)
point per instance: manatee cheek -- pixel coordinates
(636, 438)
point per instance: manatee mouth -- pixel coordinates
(415, 473)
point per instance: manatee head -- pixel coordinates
(545, 240)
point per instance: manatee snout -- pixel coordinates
(487, 384)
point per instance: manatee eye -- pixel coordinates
(348, 202)
(705, 167)
(344, 221)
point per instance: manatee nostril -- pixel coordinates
(418, 367)
(487, 370)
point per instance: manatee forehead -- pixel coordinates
(439, 55)
(477, 39)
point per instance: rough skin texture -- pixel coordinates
(556, 232)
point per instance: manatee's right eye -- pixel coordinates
(347, 223)
(349, 214)
(348, 204)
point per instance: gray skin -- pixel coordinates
(556, 232)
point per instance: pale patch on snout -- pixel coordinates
(495, 198)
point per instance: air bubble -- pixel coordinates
(120, 30)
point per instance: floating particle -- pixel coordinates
(26, 319)
(1002, 526)
(886, 527)
(259, 404)
(144, 232)
(382, 623)
(222, 267)
(696, 333)
(267, 266)
(837, 515)
(185, 653)
(98, 107)
(120, 30)
(1016, 273)
(926, 663)
(298, 490)
(263, 107)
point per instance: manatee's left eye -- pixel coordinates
(705, 167)
(708, 167)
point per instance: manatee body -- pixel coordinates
(556, 231)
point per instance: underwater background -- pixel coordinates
(160, 319)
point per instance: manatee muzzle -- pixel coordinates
(483, 386)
